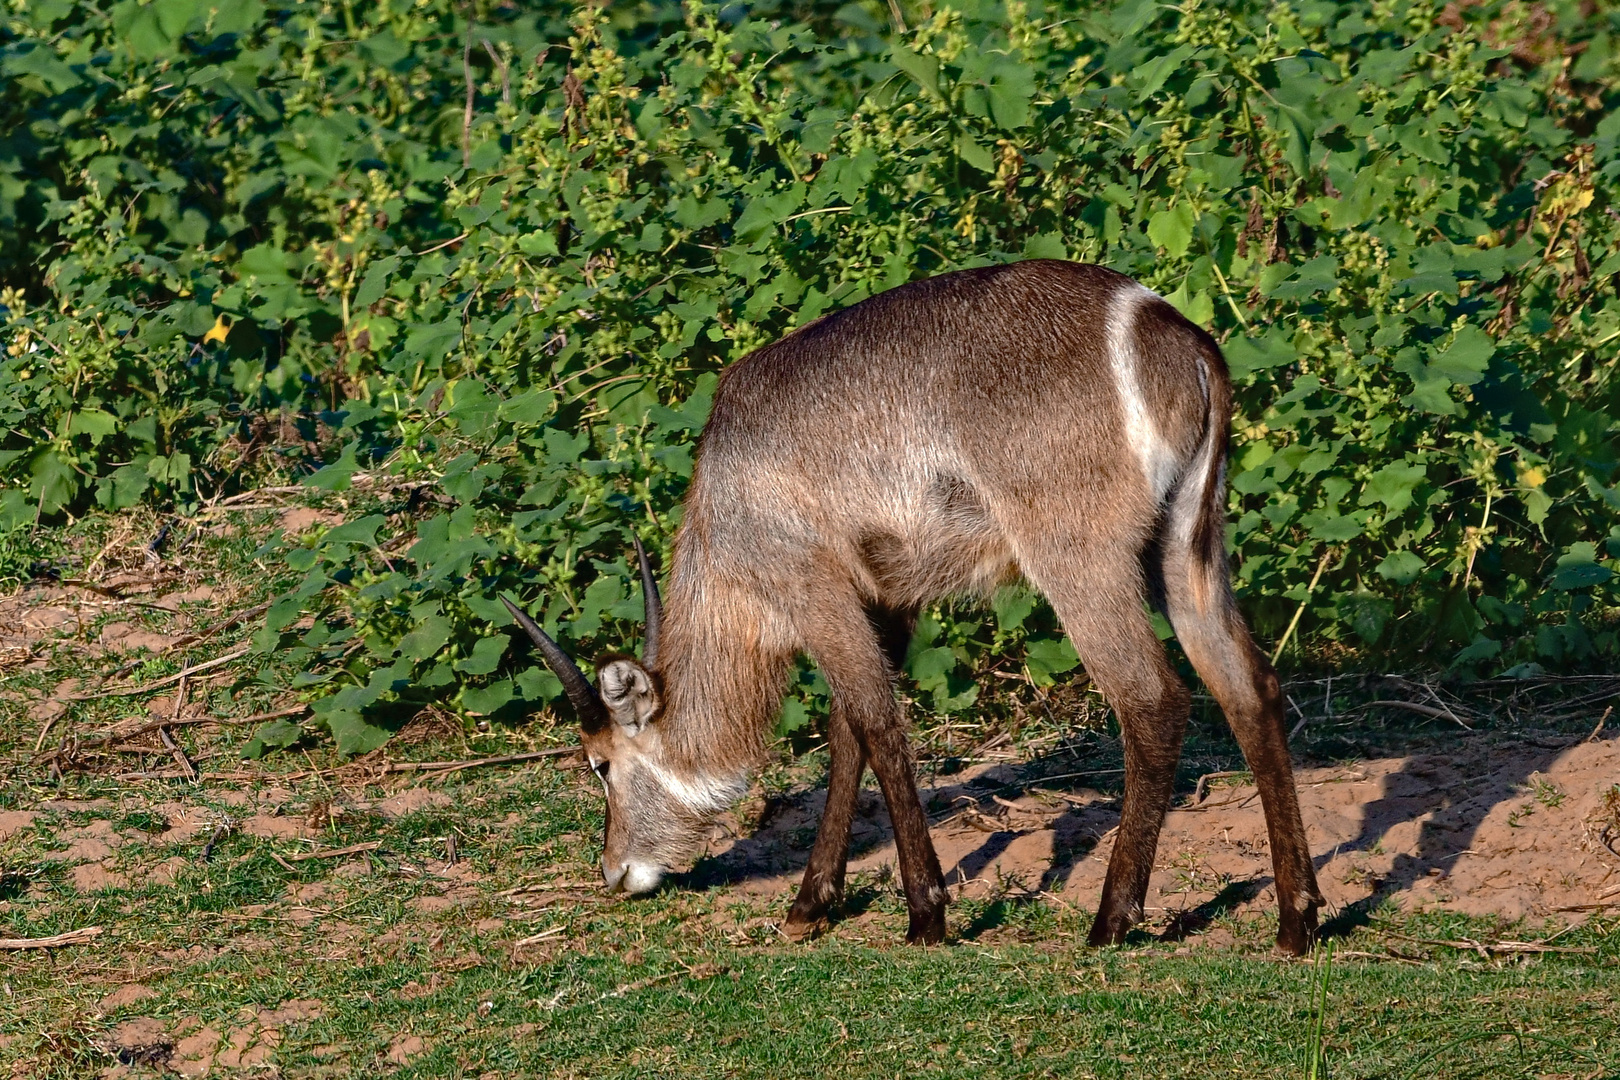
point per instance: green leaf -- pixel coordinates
(793, 717)
(54, 482)
(427, 639)
(1465, 360)
(1048, 658)
(276, 735)
(434, 341)
(337, 475)
(486, 655)
(1199, 308)
(361, 532)
(1401, 567)
(1172, 229)
(1012, 604)
(974, 154)
(1319, 275)
(355, 735)
(1010, 88)
(930, 666)
(124, 488)
(1578, 568)
(1247, 355)
(375, 283)
(1392, 485)
(94, 422)
(1045, 246)
(922, 70)
(41, 61)
(266, 263)
(483, 700)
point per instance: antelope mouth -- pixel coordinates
(633, 878)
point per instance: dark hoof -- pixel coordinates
(795, 929)
(1296, 933)
(927, 928)
(1108, 930)
(808, 910)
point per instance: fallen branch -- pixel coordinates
(333, 853)
(428, 768)
(102, 738)
(1484, 947)
(55, 941)
(176, 774)
(221, 831)
(548, 886)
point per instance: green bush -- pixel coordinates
(498, 263)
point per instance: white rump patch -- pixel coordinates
(1159, 465)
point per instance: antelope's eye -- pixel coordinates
(601, 768)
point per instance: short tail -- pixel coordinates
(1205, 549)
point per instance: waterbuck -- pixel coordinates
(1045, 419)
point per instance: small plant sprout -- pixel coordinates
(1321, 979)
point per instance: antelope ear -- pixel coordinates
(628, 692)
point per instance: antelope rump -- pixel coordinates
(1043, 419)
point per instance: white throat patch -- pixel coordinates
(701, 794)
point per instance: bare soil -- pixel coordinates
(1503, 826)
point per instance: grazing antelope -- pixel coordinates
(1044, 419)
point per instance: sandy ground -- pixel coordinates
(1503, 826)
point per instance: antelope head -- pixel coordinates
(655, 817)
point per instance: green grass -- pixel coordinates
(395, 946)
(698, 983)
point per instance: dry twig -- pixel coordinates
(1604, 719)
(333, 853)
(542, 936)
(103, 738)
(165, 681)
(72, 937)
(179, 755)
(1422, 710)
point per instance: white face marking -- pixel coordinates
(1159, 465)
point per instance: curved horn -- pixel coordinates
(655, 606)
(592, 714)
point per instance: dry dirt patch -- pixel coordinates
(191, 1048)
(14, 821)
(1501, 827)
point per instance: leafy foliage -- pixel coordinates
(488, 266)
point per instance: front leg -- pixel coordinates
(823, 883)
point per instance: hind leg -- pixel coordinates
(1100, 602)
(1218, 643)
